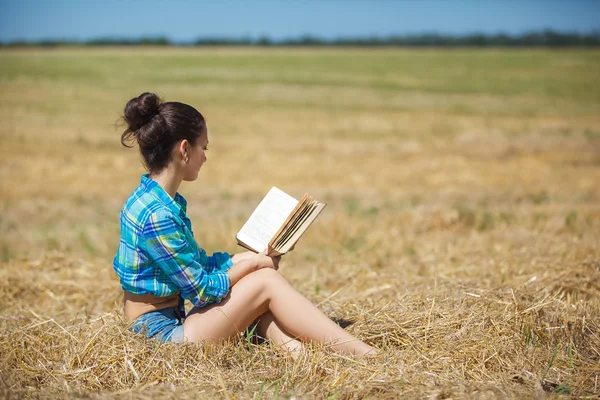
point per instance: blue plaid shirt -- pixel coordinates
(158, 253)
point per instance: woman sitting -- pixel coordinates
(160, 263)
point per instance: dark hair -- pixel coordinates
(158, 126)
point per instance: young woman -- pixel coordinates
(160, 264)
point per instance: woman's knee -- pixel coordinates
(265, 274)
(257, 285)
(266, 278)
(271, 276)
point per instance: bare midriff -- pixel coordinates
(136, 305)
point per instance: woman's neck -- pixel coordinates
(168, 179)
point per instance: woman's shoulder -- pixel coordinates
(141, 206)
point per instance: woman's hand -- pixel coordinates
(265, 261)
(261, 259)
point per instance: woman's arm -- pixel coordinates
(168, 246)
(224, 261)
(242, 256)
(248, 262)
(241, 268)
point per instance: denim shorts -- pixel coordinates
(165, 325)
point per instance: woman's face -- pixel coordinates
(196, 158)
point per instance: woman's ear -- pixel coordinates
(184, 150)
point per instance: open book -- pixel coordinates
(278, 222)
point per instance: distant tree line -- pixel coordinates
(547, 38)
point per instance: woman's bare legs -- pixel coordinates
(269, 328)
(266, 291)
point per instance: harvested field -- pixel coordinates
(461, 236)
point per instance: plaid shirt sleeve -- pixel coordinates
(220, 261)
(167, 245)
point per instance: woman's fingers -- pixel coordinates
(276, 262)
(265, 261)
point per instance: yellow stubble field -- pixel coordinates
(462, 232)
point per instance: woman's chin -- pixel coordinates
(191, 178)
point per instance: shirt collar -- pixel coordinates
(176, 205)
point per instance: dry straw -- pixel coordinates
(461, 234)
(453, 340)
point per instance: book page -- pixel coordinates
(291, 241)
(283, 227)
(294, 223)
(266, 219)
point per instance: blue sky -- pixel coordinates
(182, 20)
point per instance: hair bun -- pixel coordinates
(157, 127)
(140, 110)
